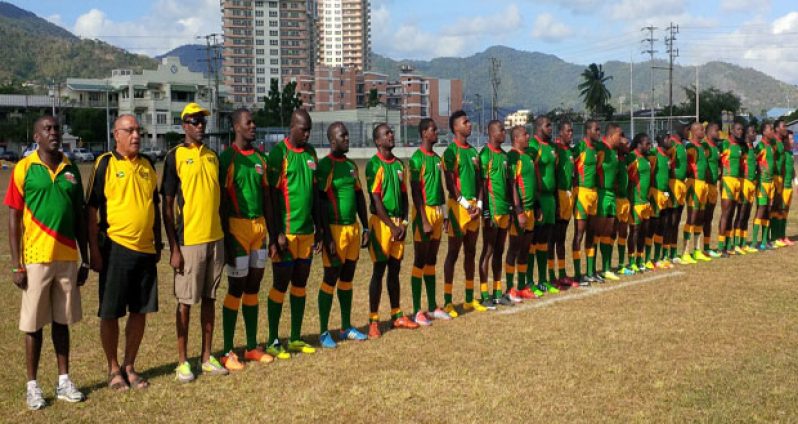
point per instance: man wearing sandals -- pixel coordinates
(125, 245)
(46, 230)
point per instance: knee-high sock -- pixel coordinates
(229, 317)
(249, 310)
(297, 299)
(325, 298)
(274, 309)
(345, 301)
(415, 286)
(429, 284)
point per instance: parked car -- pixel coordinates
(82, 154)
(9, 155)
(33, 146)
(155, 154)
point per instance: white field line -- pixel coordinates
(592, 291)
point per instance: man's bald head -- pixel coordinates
(300, 127)
(300, 116)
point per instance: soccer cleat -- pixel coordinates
(550, 287)
(35, 398)
(750, 249)
(474, 305)
(677, 261)
(213, 367)
(374, 331)
(687, 259)
(626, 271)
(299, 346)
(568, 282)
(724, 254)
(650, 266)
(526, 294)
(258, 355)
(440, 314)
(609, 275)
(326, 341)
(183, 373)
(488, 304)
(514, 295)
(713, 253)
(67, 391)
(231, 362)
(740, 251)
(585, 281)
(352, 333)
(404, 322)
(762, 247)
(635, 269)
(421, 319)
(276, 350)
(779, 243)
(667, 264)
(450, 309)
(787, 241)
(700, 256)
(504, 300)
(538, 292)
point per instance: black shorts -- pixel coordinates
(128, 281)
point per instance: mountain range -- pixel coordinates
(34, 49)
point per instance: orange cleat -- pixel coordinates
(404, 322)
(526, 294)
(374, 331)
(231, 362)
(258, 355)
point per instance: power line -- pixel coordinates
(672, 54)
(650, 51)
(495, 81)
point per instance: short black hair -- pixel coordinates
(455, 116)
(424, 125)
(493, 123)
(333, 126)
(540, 120)
(516, 131)
(591, 122)
(236, 115)
(611, 127)
(377, 129)
(639, 137)
(563, 124)
(777, 123)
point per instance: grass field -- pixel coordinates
(715, 342)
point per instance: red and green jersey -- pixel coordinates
(339, 181)
(765, 160)
(386, 178)
(659, 161)
(50, 202)
(495, 173)
(749, 164)
(712, 151)
(731, 158)
(565, 166)
(243, 177)
(585, 163)
(638, 169)
(622, 182)
(607, 166)
(696, 161)
(678, 159)
(425, 168)
(522, 170)
(545, 164)
(463, 162)
(292, 173)
(778, 156)
(789, 168)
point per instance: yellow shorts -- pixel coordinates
(659, 201)
(698, 191)
(347, 245)
(786, 196)
(764, 196)
(749, 191)
(247, 237)
(586, 202)
(435, 218)
(300, 247)
(530, 223)
(622, 210)
(641, 213)
(712, 193)
(565, 205)
(501, 221)
(460, 221)
(732, 188)
(381, 243)
(778, 184)
(678, 192)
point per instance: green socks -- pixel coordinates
(249, 310)
(297, 312)
(325, 305)
(229, 317)
(274, 308)
(429, 284)
(345, 301)
(415, 286)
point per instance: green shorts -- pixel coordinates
(548, 208)
(606, 203)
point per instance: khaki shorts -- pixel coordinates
(52, 296)
(202, 272)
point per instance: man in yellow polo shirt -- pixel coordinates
(193, 226)
(125, 246)
(45, 200)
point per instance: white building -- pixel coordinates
(520, 117)
(155, 97)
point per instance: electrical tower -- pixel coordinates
(213, 57)
(649, 42)
(673, 53)
(495, 81)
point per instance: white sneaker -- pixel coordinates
(67, 391)
(35, 398)
(440, 314)
(421, 319)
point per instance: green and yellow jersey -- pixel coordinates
(495, 173)
(696, 161)
(622, 180)
(386, 178)
(765, 160)
(545, 164)
(712, 152)
(426, 169)
(778, 156)
(659, 161)
(292, 173)
(339, 182)
(607, 166)
(638, 169)
(565, 166)
(731, 159)
(749, 164)
(50, 202)
(678, 159)
(243, 174)
(585, 164)
(522, 170)
(463, 161)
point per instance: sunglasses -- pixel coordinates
(195, 120)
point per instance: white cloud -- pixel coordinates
(548, 28)
(55, 19)
(500, 23)
(785, 23)
(168, 24)
(743, 5)
(636, 10)
(579, 7)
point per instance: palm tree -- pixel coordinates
(593, 91)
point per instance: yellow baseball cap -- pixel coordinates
(193, 109)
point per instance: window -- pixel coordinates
(273, 24)
(259, 33)
(261, 61)
(261, 70)
(261, 90)
(258, 4)
(139, 94)
(259, 42)
(161, 118)
(273, 4)
(258, 13)
(274, 52)
(273, 43)
(258, 23)
(274, 61)
(273, 33)
(259, 51)
(272, 14)
(261, 80)
(275, 71)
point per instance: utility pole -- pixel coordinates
(650, 51)
(213, 57)
(479, 116)
(495, 81)
(672, 54)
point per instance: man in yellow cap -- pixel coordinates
(191, 192)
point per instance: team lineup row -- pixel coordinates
(236, 210)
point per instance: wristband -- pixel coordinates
(16, 270)
(84, 265)
(479, 204)
(463, 202)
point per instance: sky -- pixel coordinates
(762, 34)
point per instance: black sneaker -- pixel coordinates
(489, 304)
(598, 278)
(504, 300)
(585, 281)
